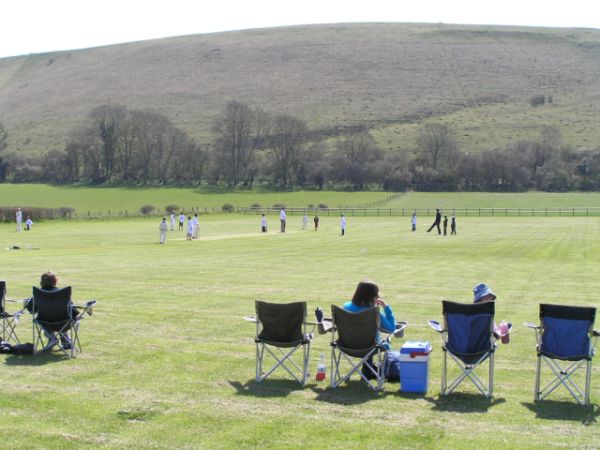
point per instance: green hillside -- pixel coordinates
(389, 76)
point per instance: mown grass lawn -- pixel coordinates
(168, 361)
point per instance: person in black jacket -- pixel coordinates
(436, 223)
(48, 282)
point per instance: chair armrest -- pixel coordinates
(436, 325)
(12, 300)
(87, 308)
(325, 326)
(532, 325)
(398, 332)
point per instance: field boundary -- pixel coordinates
(464, 212)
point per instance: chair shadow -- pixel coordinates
(41, 359)
(461, 402)
(267, 388)
(564, 410)
(354, 392)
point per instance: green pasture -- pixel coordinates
(168, 361)
(100, 201)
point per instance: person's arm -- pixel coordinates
(387, 319)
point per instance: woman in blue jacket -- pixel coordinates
(366, 296)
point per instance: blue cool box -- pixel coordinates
(414, 366)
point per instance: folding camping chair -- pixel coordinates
(356, 342)
(8, 321)
(282, 326)
(56, 317)
(566, 334)
(468, 337)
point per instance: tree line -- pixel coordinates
(119, 146)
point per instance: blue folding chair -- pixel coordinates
(468, 337)
(565, 342)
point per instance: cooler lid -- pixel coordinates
(416, 347)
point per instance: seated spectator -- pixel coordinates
(366, 296)
(483, 293)
(48, 282)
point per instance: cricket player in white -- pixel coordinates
(196, 225)
(163, 230)
(282, 217)
(19, 219)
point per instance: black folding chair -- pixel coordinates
(8, 321)
(357, 340)
(565, 342)
(56, 320)
(281, 330)
(468, 337)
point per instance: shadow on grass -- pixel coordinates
(461, 402)
(354, 392)
(558, 410)
(41, 359)
(267, 388)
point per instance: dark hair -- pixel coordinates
(365, 294)
(48, 280)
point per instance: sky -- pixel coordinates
(39, 26)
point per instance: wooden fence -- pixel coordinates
(402, 212)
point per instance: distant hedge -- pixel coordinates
(8, 213)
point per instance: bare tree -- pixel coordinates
(107, 120)
(239, 132)
(287, 140)
(3, 145)
(437, 141)
(355, 159)
(152, 136)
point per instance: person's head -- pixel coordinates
(164, 219)
(48, 280)
(196, 215)
(189, 217)
(437, 209)
(483, 293)
(263, 214)
(366, 293)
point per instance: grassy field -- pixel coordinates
(169, 362)
(99, 201)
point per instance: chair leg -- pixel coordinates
(259, 356)
(444, 370)
(306, 349)
(588, 379)
(491, 377)
(538, 369)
